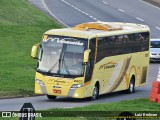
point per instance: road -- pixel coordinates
(72, 12)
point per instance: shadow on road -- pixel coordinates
(104, 97)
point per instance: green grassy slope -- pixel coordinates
(21, 26)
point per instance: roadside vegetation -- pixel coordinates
(143, 104)
(153, 2)
(21, 26)
(115, 108)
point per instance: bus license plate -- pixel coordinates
(57, 91)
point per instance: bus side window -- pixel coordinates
(105, 47)
(136, 45)
(123, 44)
(110, 46)
(119, 45)
(145, 41)
(90, 64)
(127, 44)
(140, 42)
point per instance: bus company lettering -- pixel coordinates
(59, 81)
(107, 66)
(65, 41)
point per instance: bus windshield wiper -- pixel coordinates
(63, 61)
(53, 66)
(66, 67)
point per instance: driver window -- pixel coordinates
(90, 64)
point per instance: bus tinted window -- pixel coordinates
(122, 44)
(140, 42)
(145, 41)
(105, 47)
(90, 64)
(135, 41)
(92, 46)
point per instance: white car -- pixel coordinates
(155, 50)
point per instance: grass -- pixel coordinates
(21, 26)
(98, 111)
(142, 104)
(115, 108)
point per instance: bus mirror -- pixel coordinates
(34, 51)
(86, 55)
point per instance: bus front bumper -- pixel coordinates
(67, 91)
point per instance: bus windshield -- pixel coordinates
(62, 56)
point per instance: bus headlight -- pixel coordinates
(40, 82)
(77, 85)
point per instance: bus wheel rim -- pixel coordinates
(95, 91)
(131, 87)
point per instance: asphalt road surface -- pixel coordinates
(72, 12)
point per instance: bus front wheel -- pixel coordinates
(51, 97)
(131, 88)
(95, 93)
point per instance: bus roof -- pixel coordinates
(100, 29)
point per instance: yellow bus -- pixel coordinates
(91, 59)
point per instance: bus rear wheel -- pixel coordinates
(51, 97)
(95, 93)
(131, 88)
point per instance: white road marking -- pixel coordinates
(83, 12)
(105, 2)
(150, 4)
(75, 7)
(72, 6)
(139, 19)
(86, 14)
(79, 10)
(158, 28)
(52, 14)
(121, 10)
(95, 18)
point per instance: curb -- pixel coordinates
(11, 97)
(151, 3)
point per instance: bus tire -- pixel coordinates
(131, 88)
(95, 92)
(51, 97)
